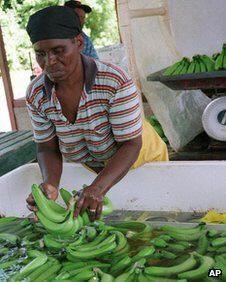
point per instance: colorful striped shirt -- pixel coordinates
(108, 113)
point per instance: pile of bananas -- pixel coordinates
(128, 251)
(198, 63)
(59, 220)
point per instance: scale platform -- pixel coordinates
(212, 84)
(204, 80)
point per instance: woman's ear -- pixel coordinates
(80, 41)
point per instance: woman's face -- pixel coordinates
(58, 58)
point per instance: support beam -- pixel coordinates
(141, 13)
(7, 82)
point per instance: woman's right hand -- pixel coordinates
(50, 191)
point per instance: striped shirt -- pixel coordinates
(108, 113)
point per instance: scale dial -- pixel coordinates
(214, 119)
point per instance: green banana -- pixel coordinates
(203, 67)
(159, 254)
(219, 61)
(158, 242)
(39, 259)
(55, 267)
(104, 277)
(38, 271)
(45, 206)
(197, 66)
(215, 55)
(95, 243)
(175, 247)
(171, 270)
(107, 240)
(185, 67)
(66, 195)
(72, 232)
(221, 264)
(202, 245)
(167, 254)
(145, 251)
(218, 242)
(93, 253)
(74, 265)
(83, 275)
(80, 221)
(85, 218)
(125, 277)
(11, 238)
(187, 237)
(180, 67)
(59, 228)
(160, 279)
(71, 273)
(209, 63)
(52, 243)
(121, 252)
(107, 206)
(213, 232)
(191, 68)
(205, 264)
(170, 70)
(142, 277)
(91, 233)
(224, 59)
(79, 240)
(8, 219)
(170, 228)
(118, 267)
(121, 241)
(220, 250)
(135, 226)
(4, 250)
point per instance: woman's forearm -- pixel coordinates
(50, 163)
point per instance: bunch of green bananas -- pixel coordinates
(59, 220)
(158, 128)
(199, 63)
(220, 62)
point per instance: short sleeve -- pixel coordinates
(43, 128)
(125, 112)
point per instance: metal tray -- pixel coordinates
(202, 80)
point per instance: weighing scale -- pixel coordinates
(213, 84)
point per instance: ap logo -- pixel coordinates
(214, 272)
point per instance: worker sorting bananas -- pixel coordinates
(83, 110)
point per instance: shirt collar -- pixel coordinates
(90, 68)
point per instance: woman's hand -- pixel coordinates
(92, 198)
(50, 191)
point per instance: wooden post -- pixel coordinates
(7, 82)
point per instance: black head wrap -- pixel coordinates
(54, 22)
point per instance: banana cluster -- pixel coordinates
(220, 59)
(59, 220)
(199, 63)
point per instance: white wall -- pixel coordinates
(198, 25)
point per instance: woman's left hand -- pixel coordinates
(92, 198)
